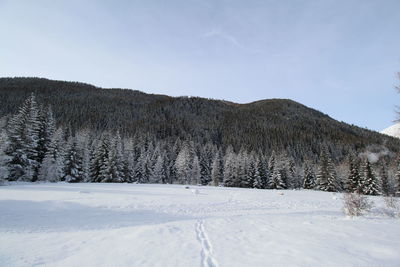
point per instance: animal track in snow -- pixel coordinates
(207, 259)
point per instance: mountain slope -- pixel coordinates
(278, 124)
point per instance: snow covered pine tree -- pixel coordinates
(23, 138)
(370, 184)
(326, 176)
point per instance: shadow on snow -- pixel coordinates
(17, 215)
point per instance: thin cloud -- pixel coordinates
(219, 33)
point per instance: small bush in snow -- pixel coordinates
(355, 204)
(392, 206)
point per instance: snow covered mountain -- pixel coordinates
(393, 130)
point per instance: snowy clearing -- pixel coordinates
(168, 225)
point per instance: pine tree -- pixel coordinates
(206, 156)
(170, 161)
(72, 171)
(276, 181)
(278, 178)
(32, 138)
(157, 152)
(284, 176)
(252, 171)
(271, 167)
(353, 183)
(113, 169)
(52, 166)
(254, 174)
(242, 169)
(129, 161)
(88, 146)
(182, 165)
(230, 170)
(309, 177)
(140, 163)
(158, 171)
(386, 190)
(166, 165)
(23, 136)
(263, 171)
(258, 183)
(3, 157)
(143, 168)
(370, 184)
(99, 161)
(326, 176)
(293, 178)
(195, 171)
(216, 174)
(46, 131)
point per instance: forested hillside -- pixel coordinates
(74, 132)
(275, 124)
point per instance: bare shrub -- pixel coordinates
(355, 204)
(391, 202)
(392, 206)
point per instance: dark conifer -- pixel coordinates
(370, 184)
(72, 171)
(308, 177)
(353, 182)
(326, 176)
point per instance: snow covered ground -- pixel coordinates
(168, 225)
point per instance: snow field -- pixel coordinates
(168, 225)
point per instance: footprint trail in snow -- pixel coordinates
(207, 259)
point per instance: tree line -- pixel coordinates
(33, 148)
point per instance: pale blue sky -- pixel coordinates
(340, 57)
